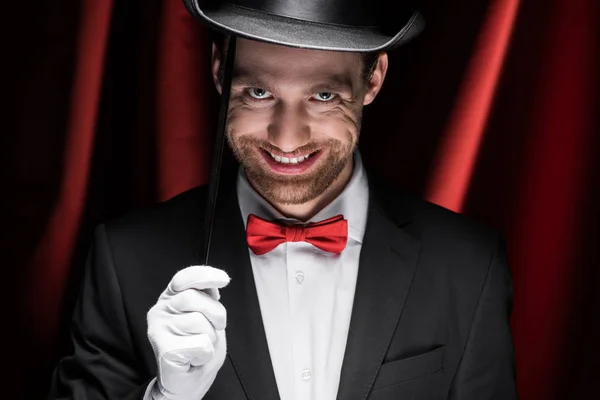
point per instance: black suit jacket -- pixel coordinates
(430, 318)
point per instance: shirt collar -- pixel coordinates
(352, 202)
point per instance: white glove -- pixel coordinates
(186, 329)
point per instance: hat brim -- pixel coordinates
(261, 26)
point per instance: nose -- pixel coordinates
(290, 127)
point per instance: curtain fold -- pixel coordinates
(183, 142)
(457, 154)
(548, 226)
(49, 264)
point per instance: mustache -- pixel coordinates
(307, 148)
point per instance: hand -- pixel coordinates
(186, 329)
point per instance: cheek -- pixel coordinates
(340, 124)
(241, 120)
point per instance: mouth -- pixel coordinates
(290, 165)
(290, 160)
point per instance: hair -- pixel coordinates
(369, 59)
(369, 63)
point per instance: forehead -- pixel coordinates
(258, 59)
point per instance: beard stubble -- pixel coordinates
(292, 189)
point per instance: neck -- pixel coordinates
(304, 212)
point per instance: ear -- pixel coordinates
(216, 60)
(377, 78)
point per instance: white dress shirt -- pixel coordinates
(306, 294)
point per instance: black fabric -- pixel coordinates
(339, 12)
(340, 25)
(430, 318)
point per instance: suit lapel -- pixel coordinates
(246, 340)
(387, 264)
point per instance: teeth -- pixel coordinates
(287, 160)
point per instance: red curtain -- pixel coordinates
(492, 112)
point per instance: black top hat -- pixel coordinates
(338, 25)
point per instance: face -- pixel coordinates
(294, 116)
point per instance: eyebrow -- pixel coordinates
(245, 77)
(335, 83)
(332, 82)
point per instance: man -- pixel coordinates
(324, 281)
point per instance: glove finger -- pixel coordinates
(188, 351)
(198, 277)
(192, 300)
(213, 292)
(192, 323)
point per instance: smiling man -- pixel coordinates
(294, 119)
(325, 282)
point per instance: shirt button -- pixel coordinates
(299, 277)
(306, 374)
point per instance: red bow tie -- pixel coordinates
(330, 235)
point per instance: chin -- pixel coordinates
(292, 196)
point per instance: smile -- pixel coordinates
(290, 165)
(288, 160)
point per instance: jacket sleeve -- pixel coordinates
(103, 364)
(487, 368)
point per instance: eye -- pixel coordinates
(258, 93)
(324, 96)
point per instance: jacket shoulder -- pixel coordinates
(448, 233)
